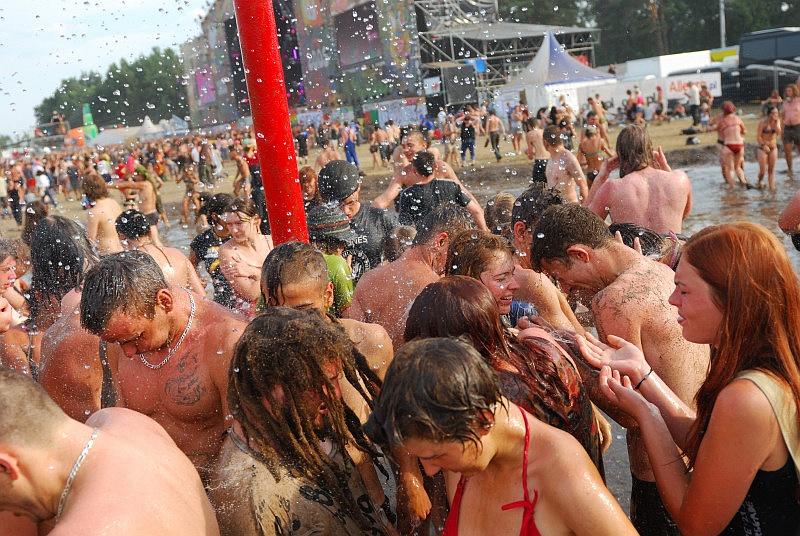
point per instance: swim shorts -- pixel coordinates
(648, 513)
(152, 218)
(539, 167)
(791, 134)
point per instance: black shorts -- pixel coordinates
(373, 148)
(591, 176)
(648, 513)
(152, 218)
(791, 135)
(538, 175)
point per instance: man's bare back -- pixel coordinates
(564, 173)
(100, 227)
(653, 198)
(135, 480)
(535, 148)
(384, 294)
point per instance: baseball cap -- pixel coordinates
(337, 181)
(329, 221)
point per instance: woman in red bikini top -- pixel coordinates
(507, 473)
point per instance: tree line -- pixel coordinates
(633, 29)
(150, 85)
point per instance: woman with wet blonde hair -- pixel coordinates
(737, 291)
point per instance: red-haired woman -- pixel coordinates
(737, 291)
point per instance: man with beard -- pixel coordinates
(289, 462)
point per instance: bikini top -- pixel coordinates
(528, 527)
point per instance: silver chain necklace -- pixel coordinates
(75, 468)
(149, 365)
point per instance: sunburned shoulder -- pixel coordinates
(647, 280)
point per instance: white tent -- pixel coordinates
(551, 74)
(148, 130)
(112, 136)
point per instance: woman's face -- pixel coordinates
(454, 456)
(8, 273)
(499, 279)
(774, 114)
(241, 226)
(698, 314)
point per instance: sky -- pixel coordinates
(43, 42)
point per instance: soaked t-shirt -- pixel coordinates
(418, 200)
(340, 275)
(250, 502)
(206, 248)
(372, 227)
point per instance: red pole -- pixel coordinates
(263, 69)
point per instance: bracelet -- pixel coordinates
(643, 379)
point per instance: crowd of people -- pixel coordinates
(425, 365)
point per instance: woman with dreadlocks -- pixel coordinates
(287, 464)
(60, 255)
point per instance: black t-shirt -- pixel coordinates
(416, 201)
(467, 132)
(206, 248)
(372, 227)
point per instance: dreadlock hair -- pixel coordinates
(277, 363)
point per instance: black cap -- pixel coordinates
(329, 221)
(337, 181)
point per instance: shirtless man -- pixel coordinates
(329, 153)
(413, 143)
(573, 245)
(385, 294)
(494, 126)
(118, 470)
(384, 147)
(790, 115)
(563, 170)
(101, 216)
(536, 152)
(535, 287)
(592, 147)
(147, 198)
(177, 347)
(648, 192)
(134, 234)
(599, 118)
(295, 275)
(241, 181)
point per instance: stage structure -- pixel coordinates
(377, 59)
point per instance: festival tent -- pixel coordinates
(148, 130)
(112, 136)
(551, 74)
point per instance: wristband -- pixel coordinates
(643, 379)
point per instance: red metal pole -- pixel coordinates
(263, 69)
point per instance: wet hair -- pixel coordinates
(651, 242)
(446, 218)
(532, 202)
(125, 282)
(35, 211)
(498, 213)
(755, 287)
(7, 249)
(307, 176)
(424, 163)
(400, 239)
(293, 263)
(95, 188)
(132, 224)
(437, 389)
(635, 149)
(215, 205)
(277, 363)
(242, 205)
(60, 255)
(552, 136)
(563, 226)
(28, 416)
(470, 252)
(460, 306)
